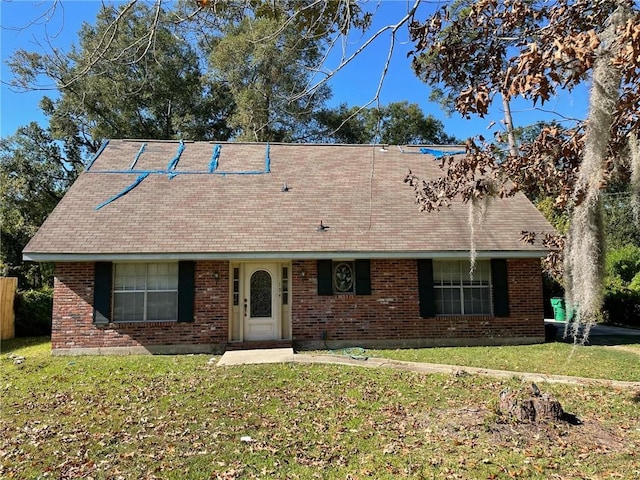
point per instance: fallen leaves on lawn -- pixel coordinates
(178, 418)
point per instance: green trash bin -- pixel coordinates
(559, 312)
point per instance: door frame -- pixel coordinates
(239, 275)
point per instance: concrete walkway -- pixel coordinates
(243, 357)
(457, 370)
(286, 355)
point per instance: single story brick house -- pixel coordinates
(180, 247)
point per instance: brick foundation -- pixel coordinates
(387, 317)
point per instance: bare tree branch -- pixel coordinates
(346, 61)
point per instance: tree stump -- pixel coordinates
(536, 407)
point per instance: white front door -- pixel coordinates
(261, 305)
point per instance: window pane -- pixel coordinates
(162, 306)
(485, 298)
(260, 294)
(446, 272)
(152, 269)
(162, 276)
(456, 306)
(476, 301)
(463, 268)
(285, 285)
(448, 301)
(118, 274)
(128, 306)
(483, 272)
(236, 286)
(155, 283)
(468, 301)
(439, 301)
(130, 276)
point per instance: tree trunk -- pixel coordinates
(508, 122)
(537, 407)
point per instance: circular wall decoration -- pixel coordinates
(343, 277)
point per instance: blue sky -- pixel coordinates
(24, 26)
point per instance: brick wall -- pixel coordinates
(73, 328)
(72, 320)
(391, 312)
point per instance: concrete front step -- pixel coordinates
(266, 355)
(259, 345)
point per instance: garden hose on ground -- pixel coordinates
(357, 353)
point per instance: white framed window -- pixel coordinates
(145, 292)
(457, 293)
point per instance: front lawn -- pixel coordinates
(183, 417)
(612, 362)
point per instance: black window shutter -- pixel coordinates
(500, 287)
(102, 278)
(426, 294)
(363, 277)
(186, 291)
(325, 277)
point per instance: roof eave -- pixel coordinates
(241, 256)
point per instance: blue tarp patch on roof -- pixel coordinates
(172, 170)
(124, 191)
(440, 153)
(137, 157)
(267, 161)
(174, 162)
(213, 164)
(95, 157)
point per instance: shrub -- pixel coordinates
(33, 310)
(623, 307)
(624, 263)
(622, 286)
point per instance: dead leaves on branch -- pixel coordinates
(514, 47)
(546, 167)
(519, 48)
(474, 100)
(475, 51)
(553, 262)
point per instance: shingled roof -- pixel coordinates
(196, 200)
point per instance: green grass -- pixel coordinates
(179, 417)
(591, 361)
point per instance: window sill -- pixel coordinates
(138, 322)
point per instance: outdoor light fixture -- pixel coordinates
(321, 227)
(285, 188)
